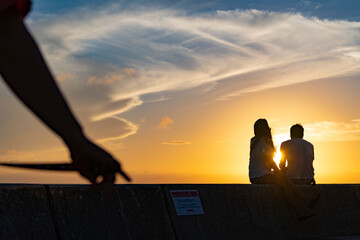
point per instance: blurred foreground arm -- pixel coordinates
(25, 71)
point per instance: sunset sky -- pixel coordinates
(173, 88)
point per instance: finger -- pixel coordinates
(89, 175)
(108, 184)
(118, 169)
(124, 175)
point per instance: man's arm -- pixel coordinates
(283, 159)
(25, 71)
(312, 152)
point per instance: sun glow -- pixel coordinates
(278, 139)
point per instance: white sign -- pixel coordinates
(187, 202)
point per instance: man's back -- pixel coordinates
(299, 154)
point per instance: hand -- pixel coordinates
(93, 162)
(276, 170)
(283, 171)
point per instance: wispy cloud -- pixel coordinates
(177, 143)
(311, 4)
(326, 131)
(112, 128)
(58, 154)
(112, 78)
(165, 123)
(112, 108)
(64, 76)
(334, 131)
(161, 99)
(105, 80)
(116, 55)
(170, 50)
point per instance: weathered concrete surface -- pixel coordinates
(24, 213)
(251, 212)
(132, 212)
(339, 210)
(232, 211)
(260, 212)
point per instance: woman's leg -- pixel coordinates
(287, 191)
(299, 194)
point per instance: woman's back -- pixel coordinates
(259, 156)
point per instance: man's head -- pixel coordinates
(297, 131)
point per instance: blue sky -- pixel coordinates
(332, 9)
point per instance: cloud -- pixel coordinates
(112, 128)
(64, 76)
(325, 131)
(113, 108)
(171, 50)
(177, 143)
(161, 99)
(57, 154)
(165, 123)
(129, 71)
(311, 5)
(333, 131)
(13, 155)
(112, 78)
(107, 80)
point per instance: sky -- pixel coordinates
(172, 88)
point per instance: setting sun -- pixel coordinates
(278, 139)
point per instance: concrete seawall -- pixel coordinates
(231, 211)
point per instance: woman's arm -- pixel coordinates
(25, 71)
(269, 158)
(271, 164)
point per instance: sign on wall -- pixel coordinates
(187, 202)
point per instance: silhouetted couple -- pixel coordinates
(263, 169)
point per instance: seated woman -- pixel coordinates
(263, 170)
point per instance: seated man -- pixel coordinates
(299, 155)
